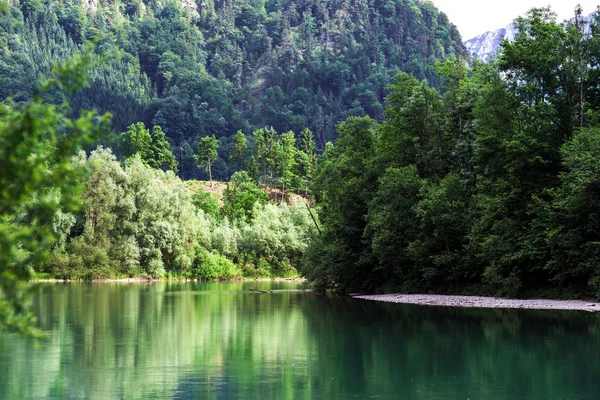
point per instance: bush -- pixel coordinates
(64, 266)
(209, 265)
(205, 201)
(241, 196)
(92, 260)
(278, 235)
(225, 238)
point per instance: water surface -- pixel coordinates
(223, 341)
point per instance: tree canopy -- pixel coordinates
(202, 68)
(487, 186)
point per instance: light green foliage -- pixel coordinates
(207, 153)
(36, 181)
(307, 156)
(209, 265)
(139, 221)
(240, 196)
(278, 235)
(162, 157)
(205, 201)
(253, 171)
(136, 141)
(301, 171)
(205, 227)
(135, 220)
(225, 239)
(265, 141)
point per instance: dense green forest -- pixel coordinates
(137, 221)
(489, 185)
(201, 68)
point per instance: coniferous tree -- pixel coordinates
(308, 148)
(162, 157)
(239, 150)
(207, 153)
(136, 141)
(285, 152)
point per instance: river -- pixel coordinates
(226, 341)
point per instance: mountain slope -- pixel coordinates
(206, 67)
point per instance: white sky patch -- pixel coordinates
(474, 17)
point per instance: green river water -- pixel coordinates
(223, 341)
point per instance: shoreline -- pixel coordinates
(154, 280)
(483, 302)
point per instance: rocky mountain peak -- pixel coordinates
(486, 45)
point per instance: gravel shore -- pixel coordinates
(483, 302)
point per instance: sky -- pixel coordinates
(474, 17)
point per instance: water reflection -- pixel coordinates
(222, 341)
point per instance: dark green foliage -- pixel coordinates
(152, 148)
(413, 130)
(345, 185)
(393, 224)
(571, 217)
(487, 187)
(202, 68)
(444, 222)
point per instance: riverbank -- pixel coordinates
(150, 280)
(483, 302)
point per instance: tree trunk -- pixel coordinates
(283, 192)
(210, 174)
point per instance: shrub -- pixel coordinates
(205, 201)
(241, 196)
(278, 235)
(209, 265)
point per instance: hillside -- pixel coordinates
(274, 193)
(215, 67)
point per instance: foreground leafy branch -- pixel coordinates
(37, 141)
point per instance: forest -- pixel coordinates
(206, 67)
(487, 185)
